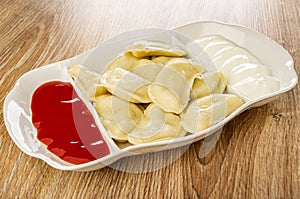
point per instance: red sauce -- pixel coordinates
(65, 124)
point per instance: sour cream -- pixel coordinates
(246, 75)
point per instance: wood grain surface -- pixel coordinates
(257, 155)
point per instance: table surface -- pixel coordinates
(257, 154)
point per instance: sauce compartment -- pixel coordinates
(19, 114)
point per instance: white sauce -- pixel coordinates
(245, 74)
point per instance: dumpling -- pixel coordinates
(154, 48)
(208, 83)
(118, 116)
(125, 61)
(204, 112)
(142, 62)
(156, 125)
(132, 85)
(162, 59)
(147, 69)
(87, 81)
(74, 70)
(172, 86)
(126, 85)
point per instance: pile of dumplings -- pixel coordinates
(152, 92)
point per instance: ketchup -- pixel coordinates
(65, 124)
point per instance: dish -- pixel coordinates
(17, 113)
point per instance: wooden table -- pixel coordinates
(257, 155)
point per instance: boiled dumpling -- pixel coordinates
(74, 70)
(172, 86)
(118, 116)
(204, 112)
(208, 83)
(132, 85)
(156, 125)
(162, 59)
(87, 81)
(154, 48)
(125, 61)
(142, 62)
(126, 85)
(147, 69)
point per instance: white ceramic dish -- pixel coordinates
(17, 113)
